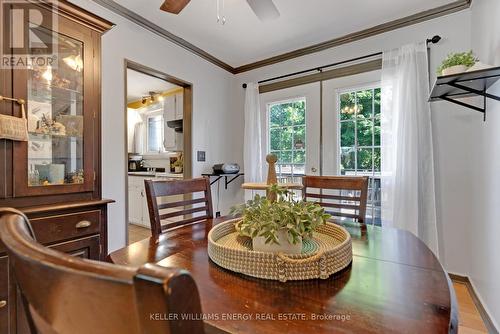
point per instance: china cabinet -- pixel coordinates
(54, 177)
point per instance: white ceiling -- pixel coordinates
(140, 84)
(245, 39)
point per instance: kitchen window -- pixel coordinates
(287, 136)
(155, 133)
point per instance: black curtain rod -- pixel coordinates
(432, 40)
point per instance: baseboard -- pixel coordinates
(490, 326)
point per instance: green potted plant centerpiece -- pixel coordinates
(456, 63)
(278, 223)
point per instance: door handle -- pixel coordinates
(313, 169)
(3, 303)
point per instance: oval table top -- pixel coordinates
(395, 284)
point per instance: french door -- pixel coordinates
(329, 128)
(290, 124)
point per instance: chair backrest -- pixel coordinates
(341, 196)
(65, 294)
(177, 212)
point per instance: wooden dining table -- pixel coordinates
(394, 284)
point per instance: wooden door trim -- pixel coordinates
(344, 71)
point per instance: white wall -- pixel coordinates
(213, 118)
(484, 228)
(454, 129)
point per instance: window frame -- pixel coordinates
(268, 127)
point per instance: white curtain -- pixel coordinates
(253, 135)
(408, 197)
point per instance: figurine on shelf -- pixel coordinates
(44, 125)
(58, 129)
(75, 177)
(48, 126)
(78, 176)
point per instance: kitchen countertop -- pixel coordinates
(156, 174)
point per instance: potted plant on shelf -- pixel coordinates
(456, 63)
(178, 165)
(278, 225)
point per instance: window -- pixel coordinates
(287, 136)
(155, 133)
(360, 142)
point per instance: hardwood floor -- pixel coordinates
(470, 321)
(137, 233)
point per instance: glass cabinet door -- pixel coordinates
(61, 104)
(55, 118)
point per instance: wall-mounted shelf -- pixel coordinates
(475, 83)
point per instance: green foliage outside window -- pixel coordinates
(287, 132)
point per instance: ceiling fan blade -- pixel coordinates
(264, 9)
(174, 6)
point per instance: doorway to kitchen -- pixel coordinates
(158, 133)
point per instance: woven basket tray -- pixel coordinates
(327, 252)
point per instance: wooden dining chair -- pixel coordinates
(65, 294)
(176, 213)
(341, 196)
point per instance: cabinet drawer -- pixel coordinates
(64, 227)
(86, 248)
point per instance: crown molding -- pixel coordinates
(426, 15)
(376, 30)
(154, 28)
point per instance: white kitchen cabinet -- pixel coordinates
(179, 105)
(137, 201)
(134, 205)
(138, 211)
(173, 110)
(169, 107)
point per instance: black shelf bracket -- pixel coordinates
(467, 105)
(228, 178)
(471, 90)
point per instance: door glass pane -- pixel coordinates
(347, 106)
(287, 136)
(347, 161)
(365, 160)
(364, 103)
(365, 132)
(347, 134)
(55, 117)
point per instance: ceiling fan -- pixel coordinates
(264, 9)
